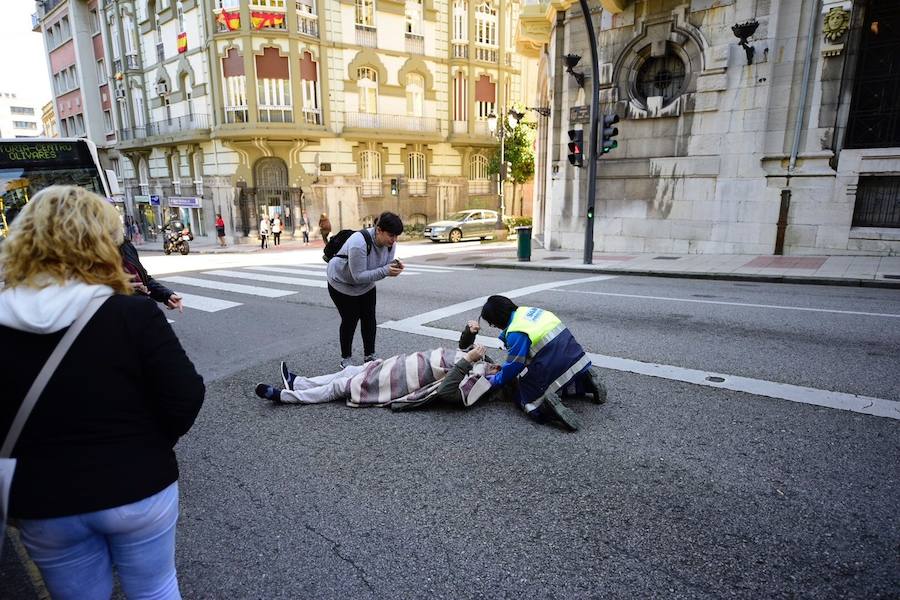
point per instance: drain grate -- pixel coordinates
(666, 257)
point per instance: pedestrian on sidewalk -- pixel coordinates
(324, 227)
(96, 480)
(263, 232)
(304, 228)
(220, 230)
(556, 362)
(276, 229)
(365, 258)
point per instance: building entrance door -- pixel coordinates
(272, 192)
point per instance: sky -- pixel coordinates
(23, 68)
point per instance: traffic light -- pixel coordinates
(505, 170)
(395, 187)
(576, 147)
(608, 132)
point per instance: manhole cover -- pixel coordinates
(716, 379)
(666, 258)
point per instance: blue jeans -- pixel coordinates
(76, 554)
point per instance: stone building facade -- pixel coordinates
(786, 143)
(344, 107)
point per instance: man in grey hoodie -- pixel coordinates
(363, 260)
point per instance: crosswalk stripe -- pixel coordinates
(267, 278)
(436, 268)
(228, 287)
(289, 270)
(205, 303)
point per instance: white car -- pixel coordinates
(473, 223)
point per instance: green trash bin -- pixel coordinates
(524, 235)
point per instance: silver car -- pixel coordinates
(472, 223)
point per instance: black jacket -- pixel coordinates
(158, 291)
(101, 435)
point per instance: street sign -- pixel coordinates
(142, 199)
(184, 201)
(154, 200)
(579, 114)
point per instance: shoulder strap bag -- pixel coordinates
(7, 464)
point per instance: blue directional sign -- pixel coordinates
(154, 200)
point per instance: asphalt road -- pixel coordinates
(671, 490)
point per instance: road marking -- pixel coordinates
(867, 405)
(228, 287)
(409, 266)
(267, 278)
(746, 304)
(289, 270)
(205, 303)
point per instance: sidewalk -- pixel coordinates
(867, 271)
(210, 245)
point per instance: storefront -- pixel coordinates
(146, 214)
(188, 209)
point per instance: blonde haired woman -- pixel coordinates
(95, 487)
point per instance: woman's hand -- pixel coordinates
(174, 302)
(475, 354)
(473, 326)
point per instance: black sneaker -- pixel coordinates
(287, 377)
(553, 408)
(369, 358)
(595, 386)
(268, 392)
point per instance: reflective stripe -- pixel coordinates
(515, 359)
(548, 337)
(533, 406)
(569, 374)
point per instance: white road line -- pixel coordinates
(268, 278)
(746, 304)
(289, 270)
(228, 287)
(436, 268)
(868, 405)
(205, 303)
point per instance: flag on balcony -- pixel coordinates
(230, 19)
(266, 20)
(182, 42)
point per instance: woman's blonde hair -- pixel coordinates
(65, 232)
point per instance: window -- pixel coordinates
(370, 172)
(175, 171)
(309, 88)
(414, 17)
(415, 95)
(486, 32)
(64, 128)
(460, 97)
(24, 125)
(365, 13)
(415, 172)
(21, 110)
(179, 11)
(116, 167)
(479, 180)
(236, 99)
(79, 124)
(101, 72)
(64, 28)
(275, 100)
(95, 22)
(660, 76)
(367, 82)
(877, 203)
(460, 21)
(138, 96)
(107, 120)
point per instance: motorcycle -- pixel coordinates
(175, 239)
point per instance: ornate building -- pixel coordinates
(748, 126)
(308, 106)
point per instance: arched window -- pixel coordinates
(486, 32)
(415, 95)
(367, 82)
(370, 172)
(479, 179)
(416, 175)
(144, 176)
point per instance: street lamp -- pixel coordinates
(512, 118)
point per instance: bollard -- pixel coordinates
(524, 248)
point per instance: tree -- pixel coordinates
(519, 151)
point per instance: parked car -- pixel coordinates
(472, 223)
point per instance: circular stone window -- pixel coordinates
(660, 76)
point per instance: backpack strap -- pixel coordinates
(368, 237)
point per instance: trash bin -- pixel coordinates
(524, 235)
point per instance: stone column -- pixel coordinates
(254, 212)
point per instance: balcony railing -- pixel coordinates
(415, 44)
(460, 127)
(165, 127)
(312, 116)
(486, 53)
(48, 5)
(132, 62)
(371, 187)
(366, 36)
(460, 49)
(482, 128)
(401, 122)
(237, 114)
(417, 187)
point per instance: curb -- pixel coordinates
(802, 280)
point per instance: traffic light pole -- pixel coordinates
(594, 154)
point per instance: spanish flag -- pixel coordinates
(266, 20)
(231, 20)
(182, 42)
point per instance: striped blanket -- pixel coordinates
(382, 382)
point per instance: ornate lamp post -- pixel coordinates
(512, 118)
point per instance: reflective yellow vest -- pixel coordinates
(540, 325)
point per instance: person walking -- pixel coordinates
(304, 228)
(324, 227)
(96, 481)
(143, 283)
(365, 258)
(276, 229)
(220, 230)
(263, 232)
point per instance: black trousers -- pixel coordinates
(277, 236)
(354, 309)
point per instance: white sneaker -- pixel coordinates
(346, 362)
